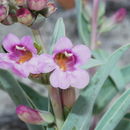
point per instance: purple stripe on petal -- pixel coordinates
(28, 43)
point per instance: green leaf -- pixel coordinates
(92, 63)
(80, 116)
(59, 31)
(40, 101)
(109, 90)
(115, 113)
(82, 24)
(123, 125)
(116, 74)
(11, 86)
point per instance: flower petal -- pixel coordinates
(83, 53)
(9, 41)
(46, 63)
(28, 42)
(41, 64)
(79, 78)
(5, 62)
(59, 79)
(21, 70)
(63, 44)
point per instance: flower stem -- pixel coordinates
(38, 39)
(57, 106)
(94, 24)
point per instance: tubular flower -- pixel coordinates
(66, 62)
(20, 55)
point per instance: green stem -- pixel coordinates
(94, 24)
(57, 106)
(38, 39)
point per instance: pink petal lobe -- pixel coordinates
(83, 53)
(79, 78)
(59, 79)
(63, 44)
(10, 41)
(28, 42)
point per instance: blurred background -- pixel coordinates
(110, 41)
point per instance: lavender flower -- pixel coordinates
(66, 61)
(19, 54)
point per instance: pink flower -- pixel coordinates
(33, 116)
(66, 62)
(20, 55)
(37, 5)
(119, 16)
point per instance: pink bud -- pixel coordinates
(51, 8)
(24, 16)
(37, 5)
(3, 12)
(119, 16)
(33, 116)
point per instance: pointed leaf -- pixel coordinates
(80, 116)
(115, 113)
(59, 31)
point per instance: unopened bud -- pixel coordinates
(10, 19)
(3, 12)
(37, 5)
(119, 16)
(51, 8)
(33, 116)
(19, 2)
(24, 16)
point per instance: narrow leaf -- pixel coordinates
(116, 74)
(113, 116)
(92, 63)
(11, 86)
(80, 116)
(59, 31)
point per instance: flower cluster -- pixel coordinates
(24, 11)
(64, 64)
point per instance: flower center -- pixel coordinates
(21, 54)
(65, 60)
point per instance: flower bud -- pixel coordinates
(37, 5)
(51, 8)
(19, 2)
(33, 116)
(24, 16)
(119, 16)
(10, 19)
(3, 12)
